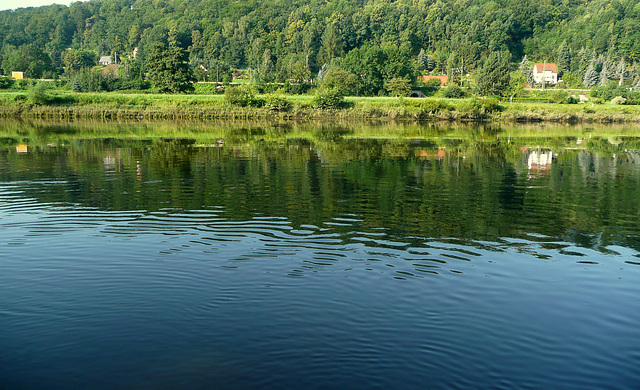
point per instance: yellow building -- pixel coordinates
(17, 75)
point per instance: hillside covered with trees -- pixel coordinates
(359, 44)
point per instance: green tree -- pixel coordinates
(563, 59)
(75, 60)
(398, 86)
(495, 75)
(168, 67)
(591, 76)
(341, 80)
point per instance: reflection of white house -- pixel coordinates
(540, 160)
(545, 72)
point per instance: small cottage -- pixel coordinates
(545, 72)
(105, 60)
(17, 75)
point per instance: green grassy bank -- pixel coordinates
(103, 105)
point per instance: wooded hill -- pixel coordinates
(281, 40)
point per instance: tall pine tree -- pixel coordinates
(168, 66)
(563, 59)
(495, 75)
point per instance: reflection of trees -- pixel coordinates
(479, 190)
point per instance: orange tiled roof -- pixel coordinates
(548, 66)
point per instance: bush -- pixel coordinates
(398, 86)
(558, 96)
(434, 106)
(6, 82)
(328, 99)
(242, 96)
(618, 100)
(207, 88)
(453, 92)
(276, 103)
(296, 88)
(342, 80)
(39, 94)
(432, 83)
(470, 107)
(491, 105)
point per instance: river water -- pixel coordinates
(256, 257)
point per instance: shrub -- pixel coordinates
(434, 106)
(469, 107)
(296, 88)
(398, 86)
(558, 96)
(6, 82)
(242, 96)
(39, 94)
(453, 92)
(618, 100)
(432, 83)
(328, 99)
(276, 103)
(491, 105)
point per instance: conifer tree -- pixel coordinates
(564, 58)
(603, 78)
(421, 60)
(495, 75)
(168, 66)
(591, 76)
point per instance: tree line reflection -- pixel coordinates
(476, 187)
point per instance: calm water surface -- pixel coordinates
(319, 261)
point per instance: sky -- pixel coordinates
(13, 4)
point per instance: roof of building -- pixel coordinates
(443, 79)
(105, 59)
(546, 66)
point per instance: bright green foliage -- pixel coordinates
(374, 66)
(328, 99)
(79, 59)
(29, 58)
(39, 94)
(341, 80)
(168, 67)
(374, 40)
(454, 91)
(398, 86)
(516, 84)
(276, 103)
(242, 96)
(495, 75)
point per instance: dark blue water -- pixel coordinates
(163, 265)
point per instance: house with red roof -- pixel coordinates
(545, 72)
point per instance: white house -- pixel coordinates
(547, 72)
(105, 60)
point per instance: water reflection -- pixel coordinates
(447, 186)
(313, 257)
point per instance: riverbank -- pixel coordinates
(117, 106)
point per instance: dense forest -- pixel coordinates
(361, 43)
